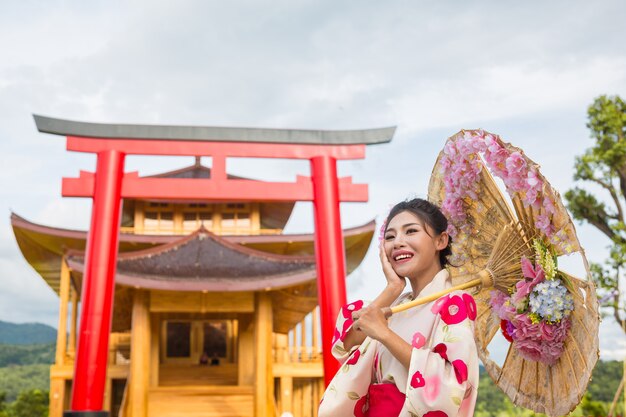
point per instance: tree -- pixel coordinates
(31, 403)
(604, 166)
(590, 407)
(3, 404)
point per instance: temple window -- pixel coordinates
(214, 339)
(196, 215)
(236, 217)
(178, 343)
(158, 220)
(187, 340)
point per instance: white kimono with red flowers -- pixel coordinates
(442, 379)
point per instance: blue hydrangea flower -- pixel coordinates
(551, 301)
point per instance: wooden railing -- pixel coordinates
(301, 344)
(126, 400)
(298, 369)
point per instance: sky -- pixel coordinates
(524, 70)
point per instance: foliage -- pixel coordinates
(16, 379)
(26, 354)
(26, 333)
(492, 402)
(31, 403)
(606, 377)
(604, 166)
(3, 405)
(589, 407)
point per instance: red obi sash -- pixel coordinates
(384, 400)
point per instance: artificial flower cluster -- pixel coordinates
(536, 316)
(461, 169)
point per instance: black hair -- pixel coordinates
(431, 215)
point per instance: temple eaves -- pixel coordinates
(213, 133)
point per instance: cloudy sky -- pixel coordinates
(524, 70)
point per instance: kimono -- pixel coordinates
(442, 379)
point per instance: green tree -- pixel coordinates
(3, 405)
(592, 408)
(604, 166)
(31, 403)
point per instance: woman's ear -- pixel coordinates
(441, 242)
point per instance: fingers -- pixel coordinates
(371, 321)
(383, 255)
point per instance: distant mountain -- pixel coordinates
(14, 355)
(26, 333)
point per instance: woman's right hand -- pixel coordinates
(394, 280)
(395, 286)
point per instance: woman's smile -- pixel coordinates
(401, 256)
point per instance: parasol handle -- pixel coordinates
(484, 278)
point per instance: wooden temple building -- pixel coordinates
(192, 300)
(215, 310)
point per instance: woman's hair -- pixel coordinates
(431, 215)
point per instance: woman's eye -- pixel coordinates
(389, 237)
(412, 230)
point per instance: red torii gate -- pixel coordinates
(109, 184)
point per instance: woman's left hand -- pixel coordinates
(371, 321)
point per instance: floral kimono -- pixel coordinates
(442, 379)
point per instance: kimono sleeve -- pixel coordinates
(343, 326)
(443, 376)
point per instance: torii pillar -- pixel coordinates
(109, 184)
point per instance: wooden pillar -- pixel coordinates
(71, 349)
(286, 394)
(108, 391)
(57, 397)
(264, 378)
(316, 328)
(155, 346)
(139, 354)
(294, 344)
(282, 348)
(64, 295)
(303, 342)
(246, 352)
(233, 341)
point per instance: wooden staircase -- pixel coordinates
(201, 401)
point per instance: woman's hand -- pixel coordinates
(371, 321)
(375, 324)
(394, 280)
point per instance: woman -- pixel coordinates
(420, 362)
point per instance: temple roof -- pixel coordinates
(203, 261)
(197, 170)
(212, 133)
(44, 246)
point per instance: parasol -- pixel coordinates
(549, 317)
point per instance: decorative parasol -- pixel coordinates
(549, 317)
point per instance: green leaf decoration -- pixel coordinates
(367, 345)
(451, 339)
(353, 395)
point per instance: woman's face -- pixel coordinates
(410, 247)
